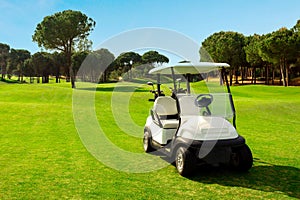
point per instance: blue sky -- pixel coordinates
(196, 19)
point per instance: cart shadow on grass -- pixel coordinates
(262, 176)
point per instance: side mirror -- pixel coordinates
(150, 83)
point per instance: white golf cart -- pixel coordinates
(194, 129)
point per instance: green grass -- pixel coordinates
(42, 156)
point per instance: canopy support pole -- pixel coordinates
(188, 86)
(158, 85)
(224, 75)
(174, 81)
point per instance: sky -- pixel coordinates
(196, 19)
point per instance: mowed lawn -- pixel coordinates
(42, 156)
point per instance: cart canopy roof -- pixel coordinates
(188, 68)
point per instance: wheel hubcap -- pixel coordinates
(145, 139)
(235, 160)
(179, 161)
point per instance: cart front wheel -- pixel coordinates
(185, 161)
(242, 159)
(147, 142)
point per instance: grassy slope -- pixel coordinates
(41, 155)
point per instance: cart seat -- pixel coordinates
(165, 112)
(169, 123)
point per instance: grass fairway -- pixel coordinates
(42, 156)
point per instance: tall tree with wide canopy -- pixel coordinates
(296, 37)
(226, 47)
(279, 49)
(127, 60)
(63, 31)
(154, 57)
(253, 56)
(4, 54)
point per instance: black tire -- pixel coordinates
(147, 140)
(185, 161)
(242, 159)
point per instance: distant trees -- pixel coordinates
(227, 47)
(296, 35)
(63, 31)
(273, 54)
(273, 57)
(295, 69)
(59, 65)
(98, 66)
(95, 65)
(16, 62)
(126, 61)
(29, 70)
(152, 57)
(106, 59)
(42, 64)
(253, 57)
(133, 64)
(4, 54)
(67, 32)
(278, 49)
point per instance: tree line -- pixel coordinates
(41, 65)
(273, 58)
(66, 33)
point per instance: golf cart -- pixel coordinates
(196, 129)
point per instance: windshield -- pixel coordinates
(202, 94)
(205, 104)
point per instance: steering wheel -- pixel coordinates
(203, 100)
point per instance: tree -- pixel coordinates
(152, 57)
(295, 71)
(17, 58)
(226, 47)
(279, 49)
(4, 54)
(253, 56)
(42, 63)
(296, 37)
(106, 59)
(84, 45)
(94, 65)
(204, 55)
(29, 70)
(59, 63)
(77, 59)
(127, 61)
(63, 31)
(209, 47)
